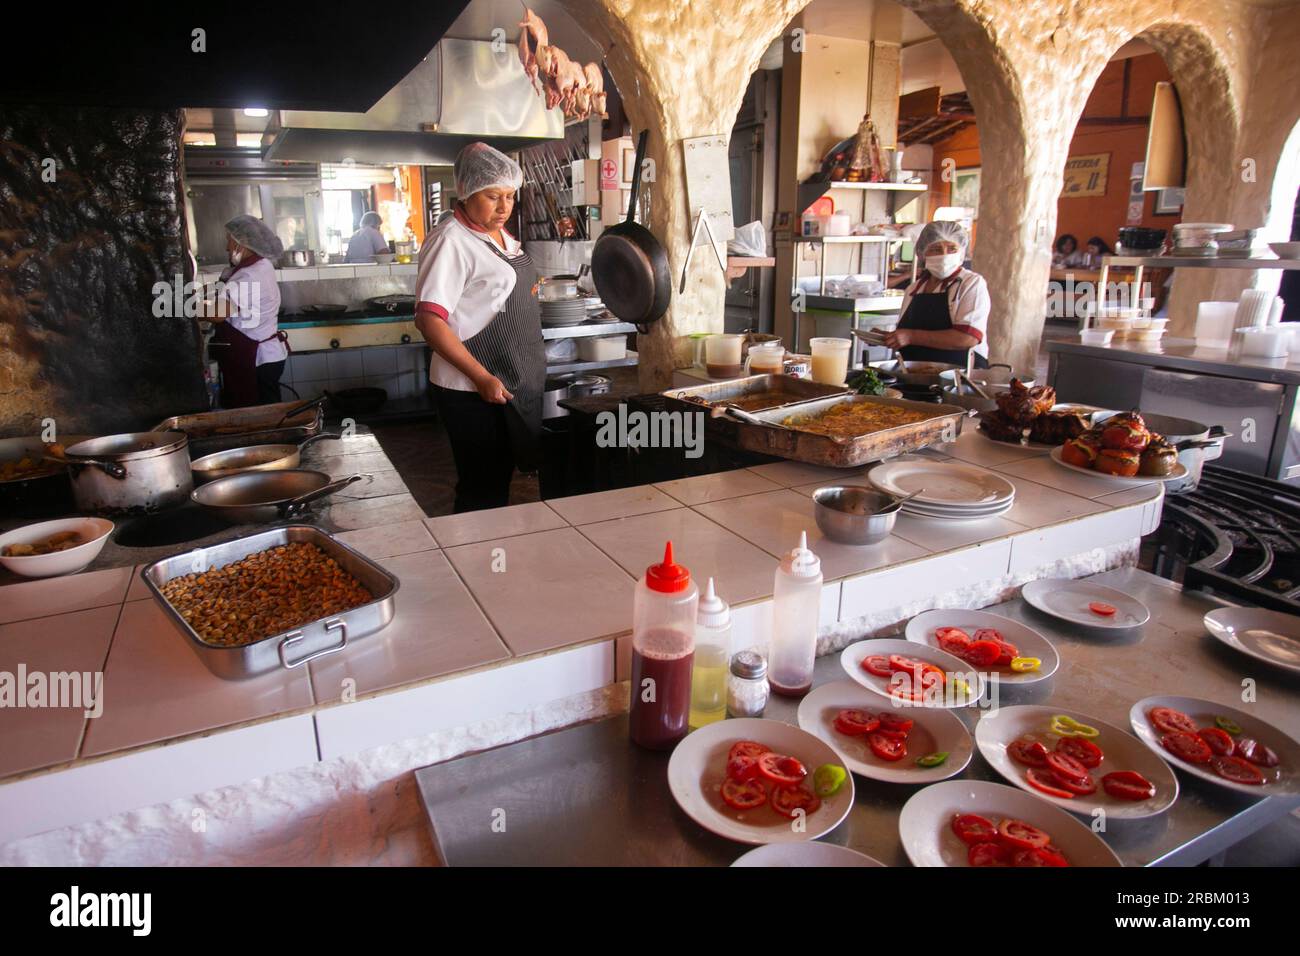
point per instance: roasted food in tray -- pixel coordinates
(266, 593)
(1123, 446)
(1022, 405)
(1058, 427)
(1001, 428)
(1024, 412)
(851, 419)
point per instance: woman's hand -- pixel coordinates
(491, 390)
(900, 338)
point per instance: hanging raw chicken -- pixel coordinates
(578, 89)
(595, 88)
(532, 38)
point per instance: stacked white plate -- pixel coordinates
(953, 490)
(564, 311)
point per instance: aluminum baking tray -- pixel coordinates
(752, 393)
(943, 423)
(288, 649)
(211, 432)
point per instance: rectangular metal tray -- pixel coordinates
(815, 449)
(289, 649)
(790, 390)
(211, 432)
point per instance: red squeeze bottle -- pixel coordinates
(663, 651)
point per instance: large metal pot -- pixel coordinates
(1206, 444)
(916, 373)
(253, 458)
(260, 497)
(134, 472)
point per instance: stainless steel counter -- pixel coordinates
(1185, 355)
(585, 796)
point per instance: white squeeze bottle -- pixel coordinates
(712, 659)
(796, 610)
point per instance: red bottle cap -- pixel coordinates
(669, 576)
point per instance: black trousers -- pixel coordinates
(480, 445)
(268, 382)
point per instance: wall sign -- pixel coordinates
(1085, 176)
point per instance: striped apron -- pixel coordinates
(511, 348)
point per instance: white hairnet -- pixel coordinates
(372, 219)
(480, 167)
(940, 232)
(251, 233)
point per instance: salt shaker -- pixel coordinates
(747, 685)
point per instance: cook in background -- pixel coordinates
(367, 241)
(945, 312)
(478, 314)
(248, 344)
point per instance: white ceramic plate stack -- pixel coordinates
(925, 823)
(953, 490)
(564, 311)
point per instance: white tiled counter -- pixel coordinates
(521, 613)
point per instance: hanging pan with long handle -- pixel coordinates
(630, 266)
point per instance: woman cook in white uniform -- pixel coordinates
(945, 312)
(477, 312)
(248, 344)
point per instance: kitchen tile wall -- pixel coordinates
(402, 370)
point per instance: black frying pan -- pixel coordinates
(629, 266)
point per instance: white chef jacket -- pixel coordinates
(365, 243)
(465, 283)
(254, 297)
(968, 302)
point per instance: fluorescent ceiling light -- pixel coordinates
(255, 111)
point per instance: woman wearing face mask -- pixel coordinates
(248, 345)
(478, 314)
(945, 312)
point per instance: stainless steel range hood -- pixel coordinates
(461, 92)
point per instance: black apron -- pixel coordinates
(236, 357)
(928, 312)
(511, 348)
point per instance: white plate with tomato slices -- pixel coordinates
(1085, 602)
(1113, 771)
(997, 822)
(917, 745)
(814, 854)
(987, 642)
(908, 674)
(767, 801)
(1236, 750)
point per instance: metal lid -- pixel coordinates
(748, 665)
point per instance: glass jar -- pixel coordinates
(747, 685)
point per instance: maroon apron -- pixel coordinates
(236, 356)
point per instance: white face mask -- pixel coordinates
(943, 266)
(236, 256)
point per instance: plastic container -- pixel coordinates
(1096, 336)
(1265, 341)
(839, 224)
(830, 360)
(712, 659)
(722, 355)
(1214, 324)
(664, 609)
(796, 610)
(602, 348)
(768, 358)
(1253, 308)
(813, 225)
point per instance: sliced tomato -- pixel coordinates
(952, 639)
(910, 665)
(1187, 747)
(983, 653)
(988, 854)
(1039, 856)
(989, 634)
(855, 723)
(971, 828)
(877, 664)
(1043, 781)
(892, 723)
(1080, 788)
(1237, 770)
(1128, 785)
(903, 687)
(1022, 835)
(887, 746)
(1028, 752)
(1170, 721)
(1220, 741)
(1256, 753)
(1082, 750)
(1102, 608)
(1009, 653)
(1066, 766)
(743, 794)
(748, 748)
(781, 770)
(742, 767)
(786, 800)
